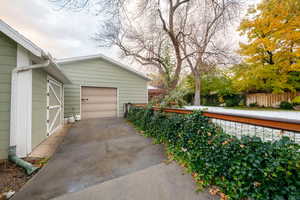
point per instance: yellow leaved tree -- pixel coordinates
(272, 53)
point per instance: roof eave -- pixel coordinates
(20, 39)
(54, 70)
(101, 56)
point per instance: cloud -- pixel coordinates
(62, 33)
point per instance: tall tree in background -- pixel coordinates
(272, 54)
(145, 29)
(207, 22)
(164, 80)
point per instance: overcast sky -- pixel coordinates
(62, 33)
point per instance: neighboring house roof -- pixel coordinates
(52, 68)
(150, 87)
(156, 91)
(101, 56)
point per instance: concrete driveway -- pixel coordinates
(106, 158)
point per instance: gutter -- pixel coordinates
(53, 62)
(36, 66)
(46, 63)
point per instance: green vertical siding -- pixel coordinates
(97, 72)
(8, 61)
(39, 105)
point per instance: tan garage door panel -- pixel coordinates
(95, 91)
(98, 102)
(98, 107)
(102, 99)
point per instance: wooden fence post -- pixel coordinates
(127, 108)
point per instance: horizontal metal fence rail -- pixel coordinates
(275, 127)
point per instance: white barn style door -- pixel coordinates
(54, 105)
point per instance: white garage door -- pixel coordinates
(98, 102)
(54, 105)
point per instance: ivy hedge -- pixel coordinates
(240, 168)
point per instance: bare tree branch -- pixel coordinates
(167, 34)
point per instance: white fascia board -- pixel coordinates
(55, 71)
(101, 56)
(20, 39)
(33, 49)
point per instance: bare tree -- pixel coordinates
(205, 22)
(149, 34)
(166, 34)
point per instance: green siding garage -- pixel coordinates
(39, 103)
(101, 72)
(36, 93)
(25, 90)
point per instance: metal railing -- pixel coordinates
(267, 128)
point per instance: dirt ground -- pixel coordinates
(13, 177)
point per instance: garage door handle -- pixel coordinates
(84, 99)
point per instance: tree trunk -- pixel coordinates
(197, 90)
(173, 84)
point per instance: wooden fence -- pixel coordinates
(263, 121)
(267, 128)
(269, 99)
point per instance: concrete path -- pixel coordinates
(106, 158)
(48, 147)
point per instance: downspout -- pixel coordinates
(20, 162)
(12, 149)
